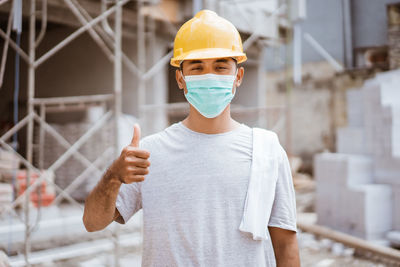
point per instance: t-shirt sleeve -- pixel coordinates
(129, 200)
(283, 214)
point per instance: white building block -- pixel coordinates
(372, 114)
(326, 201)
(396, 207)
(387, 76)
(328, 167)
(368, 211)
(390, 140)
(351, 140)
(387, 170)
(359, 170)
(347, 199)
(342, 169)
(330, 203)
(6, 195)
(341, 209)
(352, 207)
(8, 162)
(391, 126)
(354, 98)
(390, 93)
(364, 210)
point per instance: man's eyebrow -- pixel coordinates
(195, 62)
(223, 60)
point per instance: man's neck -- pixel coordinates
(220, 124)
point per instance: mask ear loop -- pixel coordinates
(180, 69)
(235, 81)
(183, 76)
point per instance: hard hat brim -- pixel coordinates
(208, 53)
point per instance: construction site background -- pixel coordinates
(322, 74)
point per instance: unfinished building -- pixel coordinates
(85, 71)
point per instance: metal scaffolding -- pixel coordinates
(111, 46)
(109, 40)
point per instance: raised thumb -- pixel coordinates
(136, 135)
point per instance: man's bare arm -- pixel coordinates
(118, 218)
(100, 208)
(285, 247)
(131, 166)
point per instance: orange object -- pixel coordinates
(45, 199)
(21, 177)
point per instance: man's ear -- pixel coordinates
(179, 79)
(239, 76)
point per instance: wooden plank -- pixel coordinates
(350, 241)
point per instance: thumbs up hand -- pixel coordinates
(133, 164)
(136, 136)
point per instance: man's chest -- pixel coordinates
(197, 183)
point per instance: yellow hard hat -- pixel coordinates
(207, 35)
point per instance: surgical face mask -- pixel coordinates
(209, 93)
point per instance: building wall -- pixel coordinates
(370, 22)
(324, 22)
(317, 107)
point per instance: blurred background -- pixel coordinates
(75, 75)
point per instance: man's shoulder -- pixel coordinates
(156, 138)
(151, 138)
(265, 134)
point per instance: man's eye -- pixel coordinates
(197, 68)
(221, 68)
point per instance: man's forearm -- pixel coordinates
(285, 247)
(100, 204)
(287, 256)
(130, 167)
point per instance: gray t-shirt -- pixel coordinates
(193, 200)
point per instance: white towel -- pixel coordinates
(261, 190)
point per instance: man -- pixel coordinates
(194, 192)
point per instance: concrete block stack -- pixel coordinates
(355, 108)
(347, 199)
(367, 211)
(351, 140)
(6, 195)
(358, 188)
(386, 130)
(396, 207)
(9, 164)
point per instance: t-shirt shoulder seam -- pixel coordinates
(272, 133)
(154, 135)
